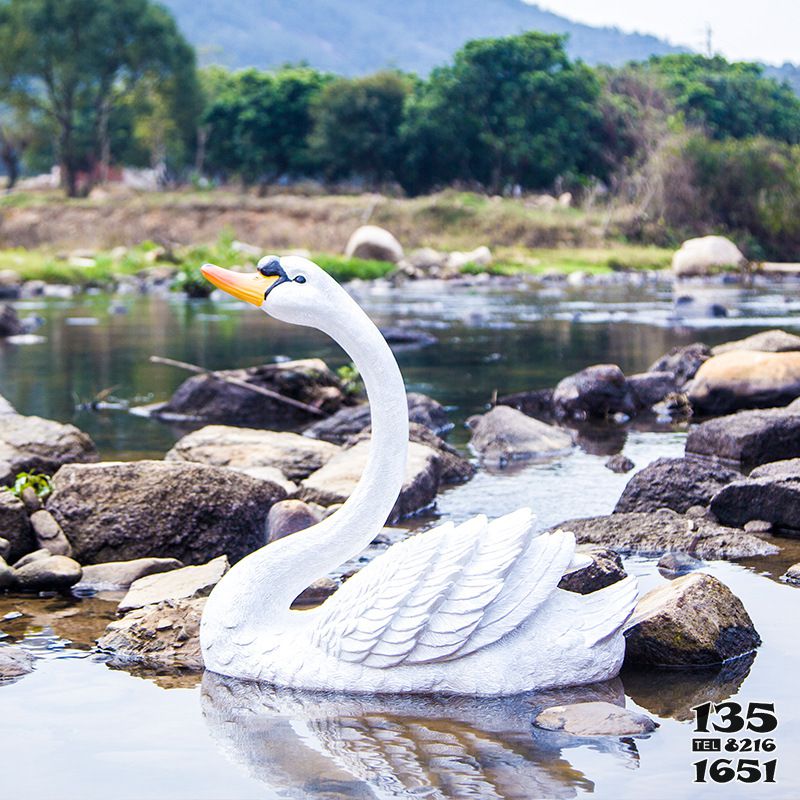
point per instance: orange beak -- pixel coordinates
(248, 286)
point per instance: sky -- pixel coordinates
(760, 30)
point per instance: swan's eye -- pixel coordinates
(300, 279)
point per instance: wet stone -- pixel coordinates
(14, 662)
(52, 573)
(619, 463)
(595, 719)
(606, 568)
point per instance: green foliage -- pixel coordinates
(357, 127)
(258, 123)
(508, 111)
(350, 377)
(37, 481)
(347, 269)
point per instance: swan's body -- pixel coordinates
(473, 609)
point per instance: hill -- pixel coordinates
(353, 37)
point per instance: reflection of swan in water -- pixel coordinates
(310, 745)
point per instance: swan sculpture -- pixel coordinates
(469, 609)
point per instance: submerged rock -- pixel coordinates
(192, 512)
(596, 392)
(15, 526)
(619, 463)
(294, 455)
(654, 533)
(745, 379)
(165, 636)
(353, 420)
(678, 563)
(335, 482)
(606, 568)
(174, 585)
(748, 438)
(14, 662)
(676, 483)
(33, 444)
(505, 434)
(204, 397)
(121, 574)
(595, 719)
(55, 573)
(692, 621)
(771, 494)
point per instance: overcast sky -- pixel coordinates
(758, 30)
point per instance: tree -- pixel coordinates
(514, 110)
(73, 60)
(257, 123)
(357, 126)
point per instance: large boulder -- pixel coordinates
(10, 324)
(350, 421)
(244, 449)
(505, 434)
(775, 341)
(694, 620)
(665, 531)
(676, 483)
(15, 527)
(192, 512)
(372, 242)
(770, 493)
(210, 399)
(682, 362)
(335, 482)
(33, 444)
(748, 438)
(596, 392)
(706, 255)
(745, 379)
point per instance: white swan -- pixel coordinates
(468, 609)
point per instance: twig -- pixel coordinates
(237, 382)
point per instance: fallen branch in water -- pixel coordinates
(171, 362)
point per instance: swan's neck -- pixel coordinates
(261, 587)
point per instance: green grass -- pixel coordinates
(346, 269)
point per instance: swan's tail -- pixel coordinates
(605, 612)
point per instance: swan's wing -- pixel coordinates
(444, 593)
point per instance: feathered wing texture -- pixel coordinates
(605, 611)
(444, 593)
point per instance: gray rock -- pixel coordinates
(748, 438)
(54, 573)
(597, 718)
(204, 397)
(121, 574)
(758, 526)
(505, 434)
(651, 388)
(655, 533)
(535, 403)
(353, 420)
(8, 577)
(678, 563)
(29, 558)
(33, 444)
(676, 483)
(606, 568)
(14, 662)
(597, 392)
(176, 584)
(792, 575)
(31, 500)
(10, 324)
(373, 242)
(775, 500)
(192, 512)
(775, 341)
(15, 527)
(49, 534)
(778, 470)
(682, 362)
(335, 482)
(294, 455)
(619, 463)
(745, 379)
(5, 548)
(694, 620)
(316, 593)
(289, 516)
(165, 636)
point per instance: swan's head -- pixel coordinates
(292, 289)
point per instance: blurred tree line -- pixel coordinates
(686, 142)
